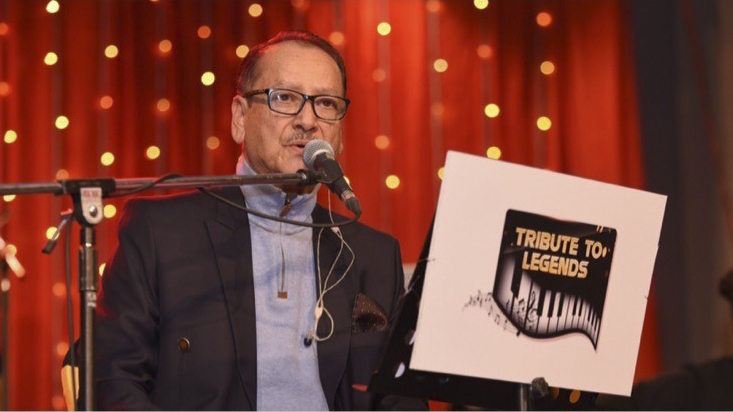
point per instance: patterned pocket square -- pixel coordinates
(368, 316)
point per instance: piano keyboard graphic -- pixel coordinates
(541, 312)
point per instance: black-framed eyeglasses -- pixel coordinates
(285, 101)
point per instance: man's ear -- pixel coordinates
(239, 109)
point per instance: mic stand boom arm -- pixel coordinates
(87, 195)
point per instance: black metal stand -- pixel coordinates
(87, 195)
(5, 286)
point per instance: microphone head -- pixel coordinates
(313, 149)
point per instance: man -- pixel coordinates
(206, 307)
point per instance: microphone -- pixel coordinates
(319, 157)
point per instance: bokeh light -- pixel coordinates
(107, 158)
(384, 28)
(544, 19)
(4, 88)
(165, 46)
(441, 173)
(62, 174)
(491, 110)
(392, 182)
(547, 67)
(50, 58)
(163, 105)
(544, 123)
(8, 198)
(493, 152)
(53, 6)
(106, 102)
(204, 32)
(61, 347)
(433, 6)
(242, 51)
(481, 4)
(62, 122)
(336, 38)
(255, 10)
(10, 136)
(111, 51)
(440, 65)
(484, 51)
(50, 231)
(152, 152)
(379, 75)
(207, 79)
(109, 211)
(382, 142)
(213, 142)
(4, 29)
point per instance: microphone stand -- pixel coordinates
(87, 195)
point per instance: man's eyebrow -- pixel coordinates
(297, 87)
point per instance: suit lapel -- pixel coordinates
(333, 353)
(230, 238)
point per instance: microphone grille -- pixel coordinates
(313, 149)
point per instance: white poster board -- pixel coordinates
(533, 274)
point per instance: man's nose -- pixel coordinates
(306, 119)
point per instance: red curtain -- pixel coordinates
(393, 83)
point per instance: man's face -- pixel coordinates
(273, 142)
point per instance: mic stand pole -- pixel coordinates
(87, 195)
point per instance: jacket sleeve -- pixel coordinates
(127, 317)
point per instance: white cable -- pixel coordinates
(323, 288)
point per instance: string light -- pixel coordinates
(111, 51)
(4, 29)
(484, 51)
(379, 75)
(106, 102)
(547, 67)
(441, 173)
(440, 65)
(50, 59)
(204, 32)
(62, 174)
(255, 10)
(384, 28)
(242, 51)
(491, 110)
(109, 211)
(101, 269)
(59, 290)
(165, 46)
(437, 109)
(163, 105)
(152, 152)
(4, 88)
(10, 136)
(62, 122)
(481, 4)
(544, 123)
(336, 38)
(207, 79)
(544, 19)
(107, 158)
(50, 231)
(433, 6)
(53, 6)
(8, 198)
(382, 142)
(212, 142)
(493, 152)
(392, 182)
